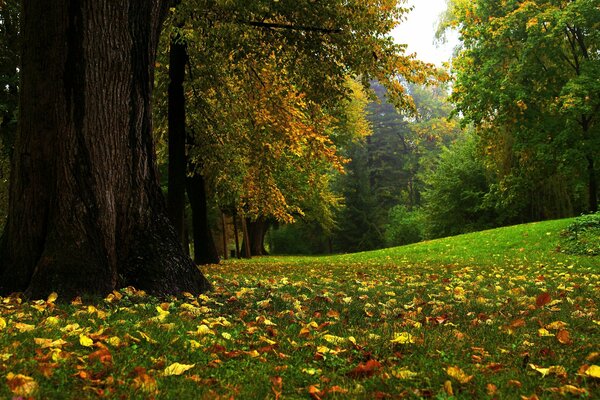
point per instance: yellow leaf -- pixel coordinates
(323, 349)
(85, 341)
(227, 336)
(311, 371)
(458, 374)
(552, 370)
(21, 385)
(5, 356)
(403, 338)
(334, 339)
(544, 332)
(52, 321)
(556, 325)
(52, 297)
(448, 388)
(146, 337)
(2, 323)
(204, 330)
(593, 372)
(46, 343)
(177, 369)
(570, 389)
(352, 340)
(114, 341)
(194, 344)
(404, 373)
(21, 327)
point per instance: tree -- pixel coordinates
(527, 77)
(9, 93)
(314, 46)
(86, 214)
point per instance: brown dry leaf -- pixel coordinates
(563, 336)
(144, 382)
(315, 392)
(458, 374)
(21, 385)
(543, 299)
(364, 370)
(491, 389)
(514, 383)
(277, 386)
(517, 323)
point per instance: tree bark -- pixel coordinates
(205, 251)
(224, 236)
(86, 214)
(178, 58)
(246, 252)
(256, 236)
(236, 237)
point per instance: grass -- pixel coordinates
(495, 314)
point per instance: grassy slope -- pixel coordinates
(466, 313)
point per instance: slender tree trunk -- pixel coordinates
(246, 252)
(237, 237)
(86, 212)
(176, 115)
(592, 185)
(224, 228)
(205, 251)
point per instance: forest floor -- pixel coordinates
(495, 314)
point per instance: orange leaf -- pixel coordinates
(364, 370)
(563, 336)
(543, 299)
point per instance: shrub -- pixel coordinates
(404, 226)
(582, 236)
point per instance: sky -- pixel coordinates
(418, 31)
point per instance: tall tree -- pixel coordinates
(527, 77)
(86, 213)
(9, 93)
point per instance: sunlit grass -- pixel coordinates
(472, 316)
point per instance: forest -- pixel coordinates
(180, 157)
(319, 134)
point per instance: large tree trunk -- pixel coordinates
(256, 236)
(176, 115)
(86, 213)
(205, 251)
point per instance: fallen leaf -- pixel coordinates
(177, 369)
(458, 374)
(404, 373)
(491, 389)
(563, 336)
(2, 323)
(403, 338)
(334, 339)
(570, 389)
(21, 385)
(448, 388)
(85, 341)
(593, 372)
(52, 297)
(557, 370)
(543, 299)
(364, 370)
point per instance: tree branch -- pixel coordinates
(273, 25)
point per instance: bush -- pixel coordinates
(455, 193)
(404, 226)
(582, 236)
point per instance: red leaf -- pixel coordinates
(543, 299)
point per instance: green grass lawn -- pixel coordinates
(496, 314)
